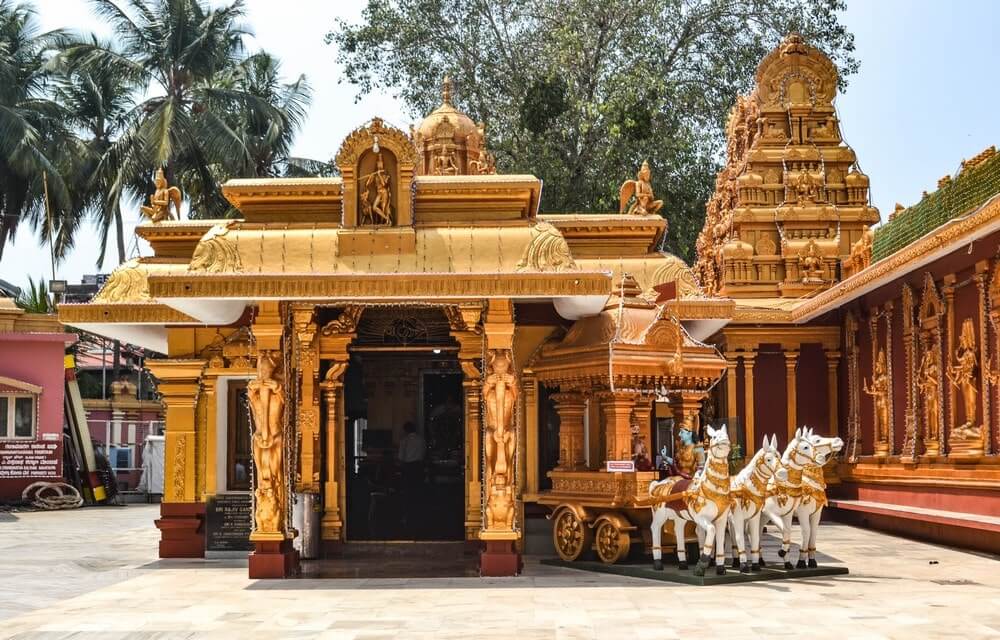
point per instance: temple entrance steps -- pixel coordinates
(395, 559)
(969, 530)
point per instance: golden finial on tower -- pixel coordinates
(446, 91)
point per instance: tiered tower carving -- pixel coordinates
(449, 143)
(790, 202)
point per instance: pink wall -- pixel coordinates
(37, 359)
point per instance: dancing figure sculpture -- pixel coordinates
(704, 500)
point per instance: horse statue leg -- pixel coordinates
(754, 528)
(805, 526)
(680, 542)
(720, 542)
(813, 529)
(786, 538)
(656, 529)
(739, 526)
(708, 547)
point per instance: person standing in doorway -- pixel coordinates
(412, 450)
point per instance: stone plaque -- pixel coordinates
(228, 519)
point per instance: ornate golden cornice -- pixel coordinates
(381, 285)
(128, 313)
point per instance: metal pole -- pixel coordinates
(104, 368)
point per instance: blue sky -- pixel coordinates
(924, 99)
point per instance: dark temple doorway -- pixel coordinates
(405, 429)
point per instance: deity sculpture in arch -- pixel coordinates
(810, 264)
(266, 395)
(376, 199)
(879, 391)
(928, 381)
(962, 375)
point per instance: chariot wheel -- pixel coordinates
(612, 543)
(570, 535)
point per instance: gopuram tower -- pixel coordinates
(790, 202)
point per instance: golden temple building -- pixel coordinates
(420, 309)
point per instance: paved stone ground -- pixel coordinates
(93, 573)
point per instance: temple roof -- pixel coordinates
(976, 182)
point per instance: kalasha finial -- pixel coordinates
(793, 44)
(446, 91)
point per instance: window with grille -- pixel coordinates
(17, 416)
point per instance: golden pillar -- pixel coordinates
(832, 362)
(334, 339)
(332, 524)
(530, 440)
(731, 364)
(307, 473)
(617, 407)
(949, 305)
(181, 512)
(570, 407)
(501, 403)
(749, 358)
(463, 321)
(791, 360)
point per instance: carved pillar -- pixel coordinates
(334, 339)
(949, 306)
(273, 555)
(530, 457)
(982, 268)
(832, 363)
(616, 409)
(181, 513)
(501, 400)
(731, 364)
(853, 389)
(792, 407)
(307, 473)
(570, 407)
(332, 524)
(911, 438)
(749, 358)
(463, 321)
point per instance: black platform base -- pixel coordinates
(671, 573)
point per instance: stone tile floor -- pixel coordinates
(93, 573)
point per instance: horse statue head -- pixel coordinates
(768, 460)
(829, 447)
(718, 442)
(800, 452)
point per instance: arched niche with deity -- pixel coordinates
(376, 162)
(796, 76)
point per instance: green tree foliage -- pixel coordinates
(36, 298)
(32, 125)
(209, 111)
(580, 92)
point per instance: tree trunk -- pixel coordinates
(119, 234)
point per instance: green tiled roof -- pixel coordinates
(970, 190)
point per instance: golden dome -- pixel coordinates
(460, 124)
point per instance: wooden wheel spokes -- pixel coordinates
(570, 535)
(612, 543)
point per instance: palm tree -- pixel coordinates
(36, 298)
(178, 53)
(98, 105)
(34, 141)
(267, 140)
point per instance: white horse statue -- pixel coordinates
(703, 500)
(785, 496)
(814, 496)
(748, 491)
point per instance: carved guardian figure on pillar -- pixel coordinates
(266, 395)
